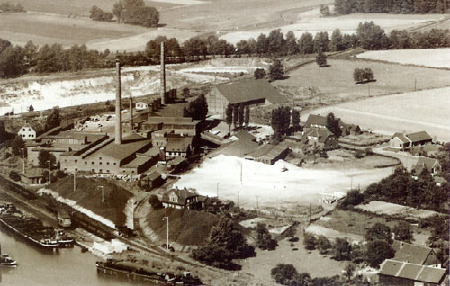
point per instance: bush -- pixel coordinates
(14, 176)
(155, 203)
(264, 240)
(309, 241)
(378, 251)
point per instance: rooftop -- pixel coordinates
(412, 253)
(414, 272)
(250, 90)
(124, 150)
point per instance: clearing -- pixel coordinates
(438, 58)
(413, 111)
(269, 185)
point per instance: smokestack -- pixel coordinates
(118, 127)
(162, 81)
(131, 111)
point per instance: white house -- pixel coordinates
(141, 105)
(27, 132)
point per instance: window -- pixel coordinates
(92, 163)
(99, 158)
(107, 163)
(65, 160)
(93, 170)
(76, 161)
(114, 163)
(85, 162)
(23, 129)
(107, 171)
(100, 163)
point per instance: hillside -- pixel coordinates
(89, 196)
(186, 227)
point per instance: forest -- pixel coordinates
(390, 6)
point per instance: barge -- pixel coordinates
(116, 269)
(32, 229)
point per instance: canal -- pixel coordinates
(67, 266)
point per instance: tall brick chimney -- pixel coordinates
(162, 80)
(118, 126)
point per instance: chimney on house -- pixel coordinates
(162, 81)
(118, 126)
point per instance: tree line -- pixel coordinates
(11, 8)
(390, 6)
(16, 61)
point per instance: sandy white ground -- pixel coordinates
(439, 58)
(269, 184)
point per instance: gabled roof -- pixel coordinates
(412, 253)
(180, 144)
(315, 119)
(182, 196)
(250, 90)
(428, 162)
(414, 272)
(321, 134)
(419, 136)
(401, 136)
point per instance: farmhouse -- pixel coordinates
(404, 141)
(320, 138)
(318, 121)
(247, 92)
(180, 199)
(400, 273)
(431, 164)
(27, 132)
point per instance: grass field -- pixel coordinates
(410, 112)
(336, 81)
(439, 58)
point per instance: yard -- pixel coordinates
(272, 186)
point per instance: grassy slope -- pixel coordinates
(90, 197)
(186, 227)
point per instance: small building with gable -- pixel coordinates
(401, 273)
(180, 199)
(27, 132)
(405, 142)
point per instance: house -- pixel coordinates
(404, 141)
(415, 254)
(269, 154)
(180, 199)
(33, 176)
(178, 146)
(320, 122)
(320, 138)
(401, 273)
(247, 92)
(431, 164)
(27, 132)
(141, 106)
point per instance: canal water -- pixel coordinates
(36, 267)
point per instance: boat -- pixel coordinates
(6, 260)
(120, 270)
(32, 229)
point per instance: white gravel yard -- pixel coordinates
(269, 184)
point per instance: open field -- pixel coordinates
(410, 112)
(269, 184)
(336, 82)
(439, 58)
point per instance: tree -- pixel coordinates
(261, 44)
(197, 109)
(12, 62)
(276, 70)
(371, 36)
(53, 120)
(377, 251)
(403, 232)
(225, 244)
(333, 124)
(98, 14)
(17, 145)
(337, 41)
(229, 116)
(264, 240)
(309, 241)
(379, 231)
(31, 108)
(352, 199)
(321, 59)
(241, 115)
(284, 274)
(323, 244)
(135, 12)
(321, 42)
(276, 43)
(155, 202)
(349, 270)
(281, 120)
(247, 116)
(341, 249)
(324, 10)
(260, 73)
(45, 156)
(296, 120)
(235, 115)
(291, 44)
(306, 43)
